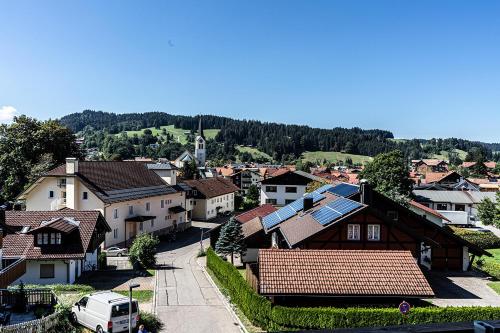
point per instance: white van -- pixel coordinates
(105, 311)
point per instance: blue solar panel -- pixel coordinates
(344, 190)
(297, 204)
(316, 196)
(285, 213)
(334, 210)
(271, 220)
(324, 188)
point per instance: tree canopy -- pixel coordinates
(28, 148)
(230, 239)
(388, 174)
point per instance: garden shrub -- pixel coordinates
(260, 311)
(143, 250)
(151, 322)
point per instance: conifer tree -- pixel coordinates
(230, 240)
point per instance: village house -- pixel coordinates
(133, 197)
(243, 178)
(348, 217)
(451, 181)
(212, 196)
(285, 187)
(46, 247)
(429, 165)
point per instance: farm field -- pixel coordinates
(178, 133)
(254, 152)
(445, 156)
(334, 156)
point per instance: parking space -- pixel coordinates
(461, 289)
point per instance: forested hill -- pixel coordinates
(277, 140)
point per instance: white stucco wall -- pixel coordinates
(32, 275)
(280, 195)
(206, 209)
(164, 218)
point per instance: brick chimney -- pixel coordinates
(71, 165)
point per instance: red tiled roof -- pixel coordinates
(341, 273)
(428, 210)
(259, 211)
(213, 187)
(432, 162)
(225, 171)
(468, 164)
(490, 165)
(17, 244)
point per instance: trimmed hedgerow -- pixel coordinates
(261, 312)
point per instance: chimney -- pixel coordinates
(308, 203)
(366, 192)
(71, 165)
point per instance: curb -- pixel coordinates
(154, 293)
(227, 305)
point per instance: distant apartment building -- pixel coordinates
(285, 187)
(133, 197)
(212, 196)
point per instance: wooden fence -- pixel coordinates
(251, 275)
(32, 296)
(41, 325)
(12, 272)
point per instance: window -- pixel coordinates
(271, 201)
(58, 238)
(45, 238)
(148, 206)
(353, 231)
(130, 210)
(39, 239)
(195, 192)
(152, 223)
(441, 206)
(141, 226)
(180, 219)
(46, 271)
(459, 208)
(271, 189)
(374, 232)
(52, 238)
(115, 233)
(115, 213)
(288, 201)
(85, 195)
(290, 189)
(51, 194)
(83, 302)
(162, 204)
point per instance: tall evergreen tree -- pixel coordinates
(231, 240)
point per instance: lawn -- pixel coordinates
(445, 156)
(256, 154)
(140, 295)
(334, 156)
(178, 133)
(495, 286)
(495, 258)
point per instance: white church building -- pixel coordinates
(200, 151)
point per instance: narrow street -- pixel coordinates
(186, 301)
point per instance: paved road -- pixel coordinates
(186, 301)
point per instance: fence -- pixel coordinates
(32, 297)
(41, 325)
(12, 272)
(251, 274)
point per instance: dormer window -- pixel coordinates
(49, 238)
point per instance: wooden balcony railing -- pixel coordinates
(12, 272)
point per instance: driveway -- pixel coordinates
(461, 289)
(186, 301)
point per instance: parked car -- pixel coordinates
(105, 311)
(115, 251)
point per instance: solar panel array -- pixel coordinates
(323, 188)
(289, 210)
(344, 190)
(334, 210)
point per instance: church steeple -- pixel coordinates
(200, 129)
(199, 146)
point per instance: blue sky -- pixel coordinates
(417, 68)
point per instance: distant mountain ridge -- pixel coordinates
(273, 138)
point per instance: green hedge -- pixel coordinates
(484, 240)
(260, 311)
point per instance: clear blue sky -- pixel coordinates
(417, 68)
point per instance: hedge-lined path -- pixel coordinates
(186, 301)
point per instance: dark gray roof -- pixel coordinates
(161, 166)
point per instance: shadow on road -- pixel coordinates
(185, 238)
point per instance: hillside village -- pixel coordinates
(388, 232)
